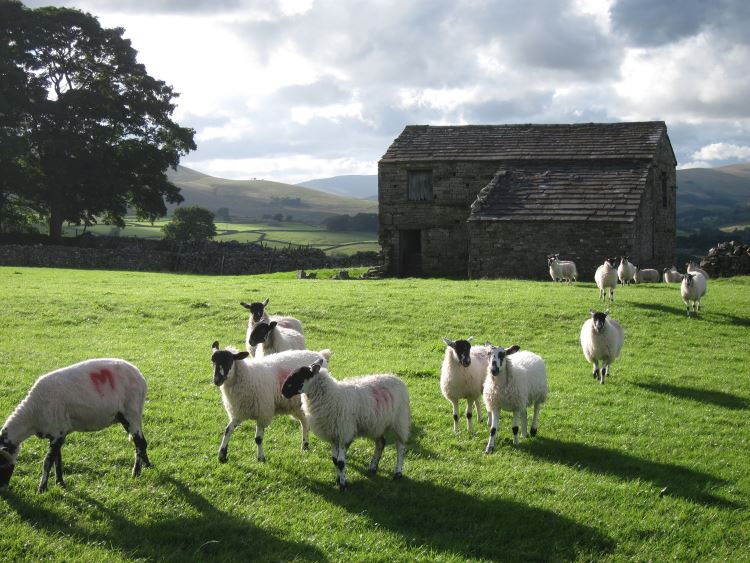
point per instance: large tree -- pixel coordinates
(86, 132)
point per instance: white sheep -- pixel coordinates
(606, 279)
(693, 288)
(515, 381)
(560, 270)
(625, 271)
(671, 275)
(462, 376)
(373, 406)
(648, 275)
(251, 389)
(270, 338)
(601, 341)
(86, 396)
(693, 268)
(259, 314)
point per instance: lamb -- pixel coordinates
(648, 275)
(270, 338)
(515, 381)
(251, 389)
(85, 397)
(601, 340)
(462, 376)
(693, 287)
(625, 271)
(259, 314)
(373, 406)
(560, 270)
(606, 278)
(671, 275)
(693, 268)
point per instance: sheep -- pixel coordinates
(562, 269)
(515, 381)
(85, 397)
(649, 275)
(462, 375)
(606, 278)
(373, 406)
(259, 314)
(693, 288)
(251, 389)
(625, 271)
(693, 268)
(601, 340)
(671, 275)
(270, 338)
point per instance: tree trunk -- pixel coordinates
(55, 215)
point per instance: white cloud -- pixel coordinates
(722, 151)
(694, 164)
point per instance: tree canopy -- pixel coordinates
(85, 132)
(191, 223)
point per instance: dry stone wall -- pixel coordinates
(727, 259)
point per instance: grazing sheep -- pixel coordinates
(516, 381)
(606, 278)
(693, 288)
(625, 271)
(251, 389)
(693, 268)
(560, 270)
(269, 338)
(373, 406)
(84, 397)
(259, 314)
(648, 275)
(462, 376)
(601, 341)
(671, 275)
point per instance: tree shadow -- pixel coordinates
(211, 534)
(716, 398)
(466, 526)
(731, 319)
(661, 308)
(676, 481)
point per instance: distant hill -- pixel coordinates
(717, 196)
(359, 186)
(252, 199)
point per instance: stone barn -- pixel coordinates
(495, 200)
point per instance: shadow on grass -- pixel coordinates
(679, 481)
(466, 526)
(206, 533)
(716, 398)
(730, 319)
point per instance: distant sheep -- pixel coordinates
(270, 338)
(84, 397)
(462, 377)
(606, 279)
(693, 288)
(671, 275)
(515, 381)
(625, 271)
(374, 406)
(601, 341)
(259, 314)
(648, 275)
(562, 270)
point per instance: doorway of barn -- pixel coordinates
(411, 253)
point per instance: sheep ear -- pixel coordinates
(315, 368)
(215, 345)
(449, 342)
(272, 324)
(592, 312)
(265, 302)
(606, 312)
(470, 339)
(245, 305)
(241, 355)
(512, 350)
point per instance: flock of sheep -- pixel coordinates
(276, 374)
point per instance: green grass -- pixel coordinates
(651, 466)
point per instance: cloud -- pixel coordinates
(722, 151)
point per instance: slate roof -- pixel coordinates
(631, 140)
(572, 191)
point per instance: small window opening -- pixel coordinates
(420, 185)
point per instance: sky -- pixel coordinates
(292, 90)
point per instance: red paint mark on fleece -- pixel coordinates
(382, 397)
(101, 378)
(281, 376)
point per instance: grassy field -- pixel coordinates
(652, 466)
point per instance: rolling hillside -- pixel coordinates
(360, 186)
(252, 199)
(716, 195)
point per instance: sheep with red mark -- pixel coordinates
(251, 390)
(271, 338)
(462, 376)
(373, 406)
(84, 397)
(258, 314)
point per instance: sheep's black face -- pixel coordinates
(8, 452)
(551, 260)
(599, 321)
(689, 278)
(259, 334)
(256, 309)
(463, 352)
(296, 381)
(223, 360)
(612, 261)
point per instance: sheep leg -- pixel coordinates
(469, 405)
(49, 459)
(141, 456)
(516, 416)
(595, 373)
(58, 465)
(339, 460)
(494, 418)
(455, 415)
(611, 295)
(524, 423)
(225, 440)
(259, 429)
(379, 445)
(535, 419)
(601, 294)
(478, 404)
(604, 373)
(400, 451)
(305, 433)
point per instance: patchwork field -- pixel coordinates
(654, 465)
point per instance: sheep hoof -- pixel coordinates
(397, 476)
(533, 432)
(488, 450)
(42, 488)
(222, 457)
(342, 485)
(262, 458)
